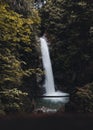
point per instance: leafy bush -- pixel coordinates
(82, 100)
(14, 100)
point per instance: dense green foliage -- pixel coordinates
(14, 100)
(82, 100)
(18, 56)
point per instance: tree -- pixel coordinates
(18, 56)
(11, 26)
(21, 6)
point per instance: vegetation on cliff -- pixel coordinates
(68, 25)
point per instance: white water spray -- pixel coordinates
(49, 80)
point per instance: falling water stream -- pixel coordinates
(49, 79)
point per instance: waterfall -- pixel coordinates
(49, 80)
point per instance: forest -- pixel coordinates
(68, 26)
